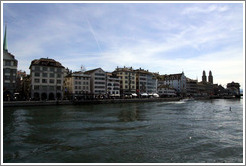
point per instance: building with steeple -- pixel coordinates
(9, 71)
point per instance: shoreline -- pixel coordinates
(104, 101)
(84, 102)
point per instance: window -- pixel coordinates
(126, 86)
(36, 87)
(58, 75)
(37, 68)
(45, 74)
(96, 78)
(52, 69)
(58, 81)
(126, 77)
(7, 77)
(58, 87)
(52, 81)
(52, 88)
(36, 74)
(44, 80)
(52, 75)
(44, 87)
(7, 63)
(36, 80)
(7, 70)
(59, 70)
(44, 68)
(99, 74)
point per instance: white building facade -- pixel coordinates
(176, 81)
(97, 82)
(166, 91)
(113, 85)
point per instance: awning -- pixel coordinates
(134, 94)
(144, 94)
(155, 95)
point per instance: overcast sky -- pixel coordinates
(160, 37)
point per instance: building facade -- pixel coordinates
(77, 86)
(127, 80)
(146, 82)
(9, 71)
(47, 76)
(191, 87)
(234, 88)
(97, 82)
(166, 91)
(113, 85)
(176, 81)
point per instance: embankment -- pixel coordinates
(67, 102)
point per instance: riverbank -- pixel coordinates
(83, 102)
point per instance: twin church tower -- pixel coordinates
(204, 77)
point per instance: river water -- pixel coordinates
(158, 132)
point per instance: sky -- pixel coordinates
(160, 37)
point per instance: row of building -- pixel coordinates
(50, 80)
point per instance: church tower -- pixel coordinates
(204, 77)
(210, 77)
(5, 44)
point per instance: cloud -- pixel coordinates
(204, 10)
(159, 37)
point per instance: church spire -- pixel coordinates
(5, 44)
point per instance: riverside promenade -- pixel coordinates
(83, 102)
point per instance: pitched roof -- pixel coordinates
(46, 62)
(92, 71)
(171, 76)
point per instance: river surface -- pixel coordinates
(158, 132)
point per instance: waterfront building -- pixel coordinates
(206, 88)
(146, 82)
(47, 76)
(234, 88)
(176, 81)
(9, 71)
(77, 85)
(97, 81)
(166, 91)
(127, 80)
(191, 87)
(113, 85)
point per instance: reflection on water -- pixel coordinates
(129, 115)
(161, 132)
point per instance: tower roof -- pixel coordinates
(5, 44)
